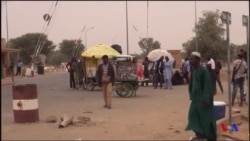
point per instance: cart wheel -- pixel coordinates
(90, 85)
(125, 91)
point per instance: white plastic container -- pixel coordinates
(219, 109)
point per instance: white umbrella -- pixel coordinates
(156, 54)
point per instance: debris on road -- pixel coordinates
(51, 119)
(78, 139)
(87, 112)
(80, 120)
(66, 120)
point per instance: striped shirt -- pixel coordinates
(105, 71)
(242, 70)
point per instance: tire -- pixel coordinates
(126, 91)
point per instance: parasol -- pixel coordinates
(99, 50)
(155, 54)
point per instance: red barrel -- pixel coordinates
(25, 103)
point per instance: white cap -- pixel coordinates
(197, 54)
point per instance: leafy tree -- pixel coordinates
(210, 34)
(27, 44)
(236, 48)
(148, 45)
(67, 47)
(56, 58)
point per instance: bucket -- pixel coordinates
(219, 109)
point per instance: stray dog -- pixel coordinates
(244, 99)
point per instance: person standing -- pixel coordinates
(71, 73)
(106, 79)
(140, 71)
(158, 74)
(11, 69)
(19, 67)
(201, 118)
(75, 66)
(145, 71)
(186, 70)
(217, 71)
(238, 77)
(81, 72)
(168, 72)
(211, 67)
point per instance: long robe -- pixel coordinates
(200, 119)
(168, 70)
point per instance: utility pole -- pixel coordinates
(226, 19)
(127, 26)
(7, 28)
(147, 19)
(196, 41)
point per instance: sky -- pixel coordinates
(169, 22)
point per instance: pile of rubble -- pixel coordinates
(65, 121)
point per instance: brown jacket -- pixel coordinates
(111, 73)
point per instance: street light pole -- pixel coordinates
(127, 26)
(147, 19)
(226, 19)
(196, 41)
(245, 22)
(86, 35)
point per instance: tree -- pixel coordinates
(56, 58)
(27, 44)
(210, 37)
(67, 47)
(236, 48)
(148, 45)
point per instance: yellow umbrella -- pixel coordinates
(99, 50)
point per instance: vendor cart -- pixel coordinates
(90, 65)
(126, 83)
(92, 59)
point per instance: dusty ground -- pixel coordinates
(152, 115)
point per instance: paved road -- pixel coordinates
(153, 115)
(50, 87)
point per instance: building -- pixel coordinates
(177, 56)
(6, 54)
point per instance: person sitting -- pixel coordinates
(177, 78)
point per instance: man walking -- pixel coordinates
(201, 118)
(106, 79)
(238, 77)
(158, 74)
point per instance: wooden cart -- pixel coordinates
(126, 83)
